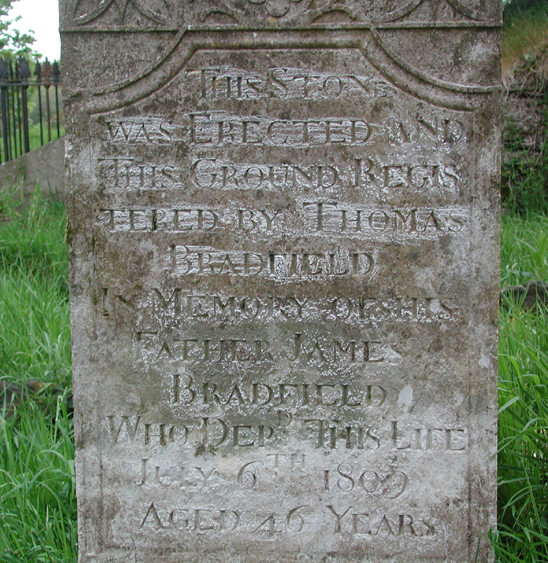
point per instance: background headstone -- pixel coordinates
(43, 167)
(283, 233)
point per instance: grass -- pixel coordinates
(523, 399)
(524, 249)
(34, 292)
(525, 182)
(37, 498)
(525, 28)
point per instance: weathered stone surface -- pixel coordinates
(283, 229)
(44, 167)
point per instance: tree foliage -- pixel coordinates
(12, 41)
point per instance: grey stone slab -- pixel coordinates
(283, 224)
(43, 167)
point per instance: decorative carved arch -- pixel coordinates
(401, 11)
(160, 16)
(410, 6)
(255, 12)
(404, 76)
(471, 13)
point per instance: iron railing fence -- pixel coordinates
(31, 106)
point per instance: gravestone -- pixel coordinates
(282, 219)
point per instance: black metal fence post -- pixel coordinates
(24, 75)
(4, 77)
(27, 107)
(38, 74)
(12, 92)
(56, 82)
(47, 76)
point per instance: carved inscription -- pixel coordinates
(347, 478)
(253, 391)
(332, 434)
(368, 481)
(121, 174)
(222, 128)
(227, 83)
(316, 217)
(141, 130)
(190, 219)
(205, 432)
(368, 174)
(167, 307)
(261, 474)
(322, 433)
(301, 349)
(186, 391)
(175, 476)
(336, 218)
(278, 271)
(350, 521)
(354, 522)
(125, 173)
(192, 519)
(209, 261)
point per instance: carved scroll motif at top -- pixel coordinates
(172, 14)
